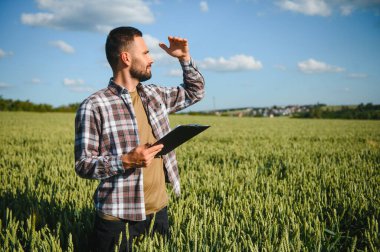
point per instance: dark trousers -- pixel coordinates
(107, 233)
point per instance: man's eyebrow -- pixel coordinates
(147, 51)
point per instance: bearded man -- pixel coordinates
(114, 130)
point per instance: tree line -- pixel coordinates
(18, 105)
(362, 111)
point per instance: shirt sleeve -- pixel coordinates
(188, 93)
(88, 161)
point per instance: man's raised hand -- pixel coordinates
(178, 47)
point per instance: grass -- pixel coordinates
(247, 184)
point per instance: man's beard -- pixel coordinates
(140, 75)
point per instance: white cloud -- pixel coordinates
(346, 10)
(347, 7)
(157, 53)
(314, 66)
(373, 5)
(89, 15)
(4, 53)
(326, 8)
(357, 75)
(175, 73)
(280, 67)
(204, 6)
(73, 82)
(36, 81)
(307, 7)
(38, 19)
(63, 46)
(154, 49)
(84, 89)
(77, 85)
(260, 14)
(4, 85)
(239, 62)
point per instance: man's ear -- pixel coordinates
(125, 57)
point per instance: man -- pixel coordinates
(114, 130)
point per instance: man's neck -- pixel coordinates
(126, 81)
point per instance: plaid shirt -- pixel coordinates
(106, 128)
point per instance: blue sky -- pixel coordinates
(251, 53)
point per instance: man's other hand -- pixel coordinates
(178, 47)
(141, 156)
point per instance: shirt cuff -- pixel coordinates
(188, 65)
(185, 64)
(117, 165)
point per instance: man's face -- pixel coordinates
(141, 60)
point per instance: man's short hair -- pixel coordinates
(118, 40)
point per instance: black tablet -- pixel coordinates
(178, 136)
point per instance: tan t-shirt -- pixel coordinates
(155, 195)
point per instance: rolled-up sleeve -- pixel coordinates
(191, 91)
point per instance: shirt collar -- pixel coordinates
(119, 90)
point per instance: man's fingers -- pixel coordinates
(163, 46)
(155, 148)
(177, 40)
(178, 48)
(148, 149)
(149, 154)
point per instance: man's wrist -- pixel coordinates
(127, 164)
(185, 64)
(185, 59)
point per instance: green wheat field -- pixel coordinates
(248, 184)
